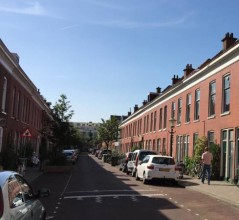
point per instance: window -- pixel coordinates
(210, 138)
(195, 137)
(197, 104)
(4, 94)
(226, 94)
(155, 120)
(151, 122)
(186, 146)
(18, 107)
(165, 117)
(13, 102)
(147, 124)
(164, 147)
(188, 107)
(212, 99)
(173, 110)
(179, 119)
(159, 146)
(160, 118)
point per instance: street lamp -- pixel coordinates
(172, 125)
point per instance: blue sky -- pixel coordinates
(107, 55)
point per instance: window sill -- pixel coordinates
(225, 113)
(195, 121)
(211, 117)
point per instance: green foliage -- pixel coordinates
(216, 152)
(61, 109)
(199, 147)
(64, 134)
(108, 131)
(192, 162)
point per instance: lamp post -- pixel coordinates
(172, 124)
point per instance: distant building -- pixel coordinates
(87, 129)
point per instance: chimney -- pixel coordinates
(144, 102)
(158, 90)
(228, 41)
(129, 113)
(151, 96)
(187, 70)
(16, 57)
(175, 79)
(136, 108)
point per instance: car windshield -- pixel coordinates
(143, 154)
(163, 160)
(67, 153)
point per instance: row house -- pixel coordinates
(203, 102)
(24, 113)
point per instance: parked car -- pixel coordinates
(105, 151)
(157, 167)
(18, 200)
(124, 161)
(138, 156)
(70, 155)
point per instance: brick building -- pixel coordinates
(203, 102)
(24, 114)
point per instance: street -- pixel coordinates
(96, 190)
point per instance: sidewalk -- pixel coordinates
(221, 190)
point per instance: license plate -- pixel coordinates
(164, 169)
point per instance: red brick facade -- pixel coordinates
(204, 102)
(21, 104)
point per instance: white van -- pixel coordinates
(138, 156)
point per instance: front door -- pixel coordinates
(227, 154)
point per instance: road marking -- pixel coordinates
(113, 195)
(49, 217)
(110, 190)
(98, 199)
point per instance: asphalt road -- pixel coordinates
(96, 190)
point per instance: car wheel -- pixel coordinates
(136, 176)
(145, 181)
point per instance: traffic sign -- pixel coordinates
(26, 133)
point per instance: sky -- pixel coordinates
(107, 55)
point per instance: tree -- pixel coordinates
(61, 109)
(108, 131)
(64, 134)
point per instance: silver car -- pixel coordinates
(17, 199)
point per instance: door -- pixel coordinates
(227, 154)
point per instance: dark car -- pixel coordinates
(124, 161)
(17, 199)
